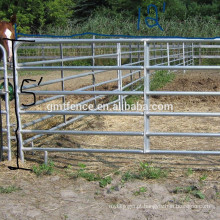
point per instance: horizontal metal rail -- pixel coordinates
(82, 68)
(131, 40)
(122, 151)
(83, 113)
(111, 46)
(129, 113)
(117, 92)
(77, 92)
(115, 133)
(121, 68)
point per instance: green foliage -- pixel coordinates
(141, 190)
(9, 189)
(128, 176)
(160, 79)
(84, 8)
(58, 12)
(34, 15)
(125, 7)
(132, 99)
(193, 190)
(113, 16)
(43, 169)
(145, 172)
(203, 178)
(217, 195)
(86, 175)
(105, 181)
(189, 172)
(176, 9)
(82, 165)
(149, 172)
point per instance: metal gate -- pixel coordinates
(171, 54)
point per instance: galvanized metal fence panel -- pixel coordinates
(143, 56)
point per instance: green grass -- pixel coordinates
(149, 172)
(86, 175)
(130, 100)
(127, 176)
(9, 189)
(105, 181)
(81, 172)
(104, 22)
(217, 195)
(145, 171)
(140, 191)
(192, 190)
(189, 172)
(160, 79)
(44, 169)
(203, 178)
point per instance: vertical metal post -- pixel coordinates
(186, 54)
(45, 157)
(168, 55)
(1, 132)
(120, 97)
(176, 54)
(43, 54)
(139, 59)
(93, 73)
(7, 109)
(130, 60)
(161, 52)
(146, 96)
(17, 103)
(62, 76)
(193, 54)
(200, 55)
(184, 61)
(155, 61)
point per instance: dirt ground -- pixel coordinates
(62, 196)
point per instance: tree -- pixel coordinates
(83, 9)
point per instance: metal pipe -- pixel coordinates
(1, 132)
(123, 67)
(91, 112)
(184, 134)
(123, 151)
(146, 96)
(76, 92)
(120, 97)
(6, 94)
(120, 40)
(73, 132)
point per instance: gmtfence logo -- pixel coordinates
(105, 107)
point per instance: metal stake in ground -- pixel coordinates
(1, 133)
